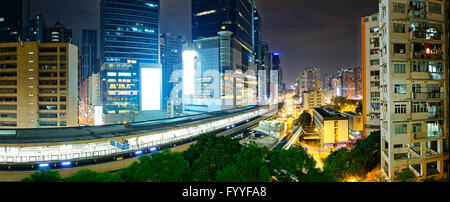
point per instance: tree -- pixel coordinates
(230, 174)
(305, 119)
(166, 166)
(291, 165)
(252, 162)
(43, 176)
(356, 162)
(209, 155)
(86, 175)
(359, 109)
(337, 164)
(406, 176)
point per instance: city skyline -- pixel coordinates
(329, 40)
(301, 94)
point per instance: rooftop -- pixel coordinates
(330, 114)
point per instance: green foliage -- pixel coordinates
(305, 119)
(406, 176)
(252, 163)
(357, 162)
(43, 176)
(359, 108)
(210, 155)
(338, 103)
(294, 165)
(86, 175)
(230, 174)
(160, 167)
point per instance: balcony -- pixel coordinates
(427, 95)
(436, 114)
(415, 150)
(429, 134)
(427, 51)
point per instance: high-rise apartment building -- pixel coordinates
(313, 99)
(309, 79)
(129, 56)
(371, 73)
(328, 87)
(38, 85)
(14, 20)
(414, 87)
(348, 83)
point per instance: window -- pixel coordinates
(399, 68)
(374, 18)
(400, 48)
(400, 108)
(417, 127)
(400, 88)
(374, 52)
(399, 8)
(401, 128)
(399, 28)
(419, 107)
(416, 88)
(374, 62)
(435, 8)
(374, 73)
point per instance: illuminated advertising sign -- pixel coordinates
(151, 88)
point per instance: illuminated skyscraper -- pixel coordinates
(171, 59)
(129, 52)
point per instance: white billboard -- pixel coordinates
(150, 89)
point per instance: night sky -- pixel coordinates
(321, 33)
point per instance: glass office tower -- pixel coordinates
(171, 59)
(129, 52)
(89, 54)
(236, 16)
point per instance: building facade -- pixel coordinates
(36, 27)
(129, 52)
(313, 99)
(14, 20)
(38, 85)
(414, 87)
(171, 59)
(57, 33)
(219, 82)
(371, 73)
(89, 57)
(333, 127)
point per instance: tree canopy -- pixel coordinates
(304, 120)
(344, 163)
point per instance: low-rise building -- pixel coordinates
(333, 127)
(355, 125)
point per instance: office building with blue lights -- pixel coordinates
(129, 56)
(214, 77)
(171, 60)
